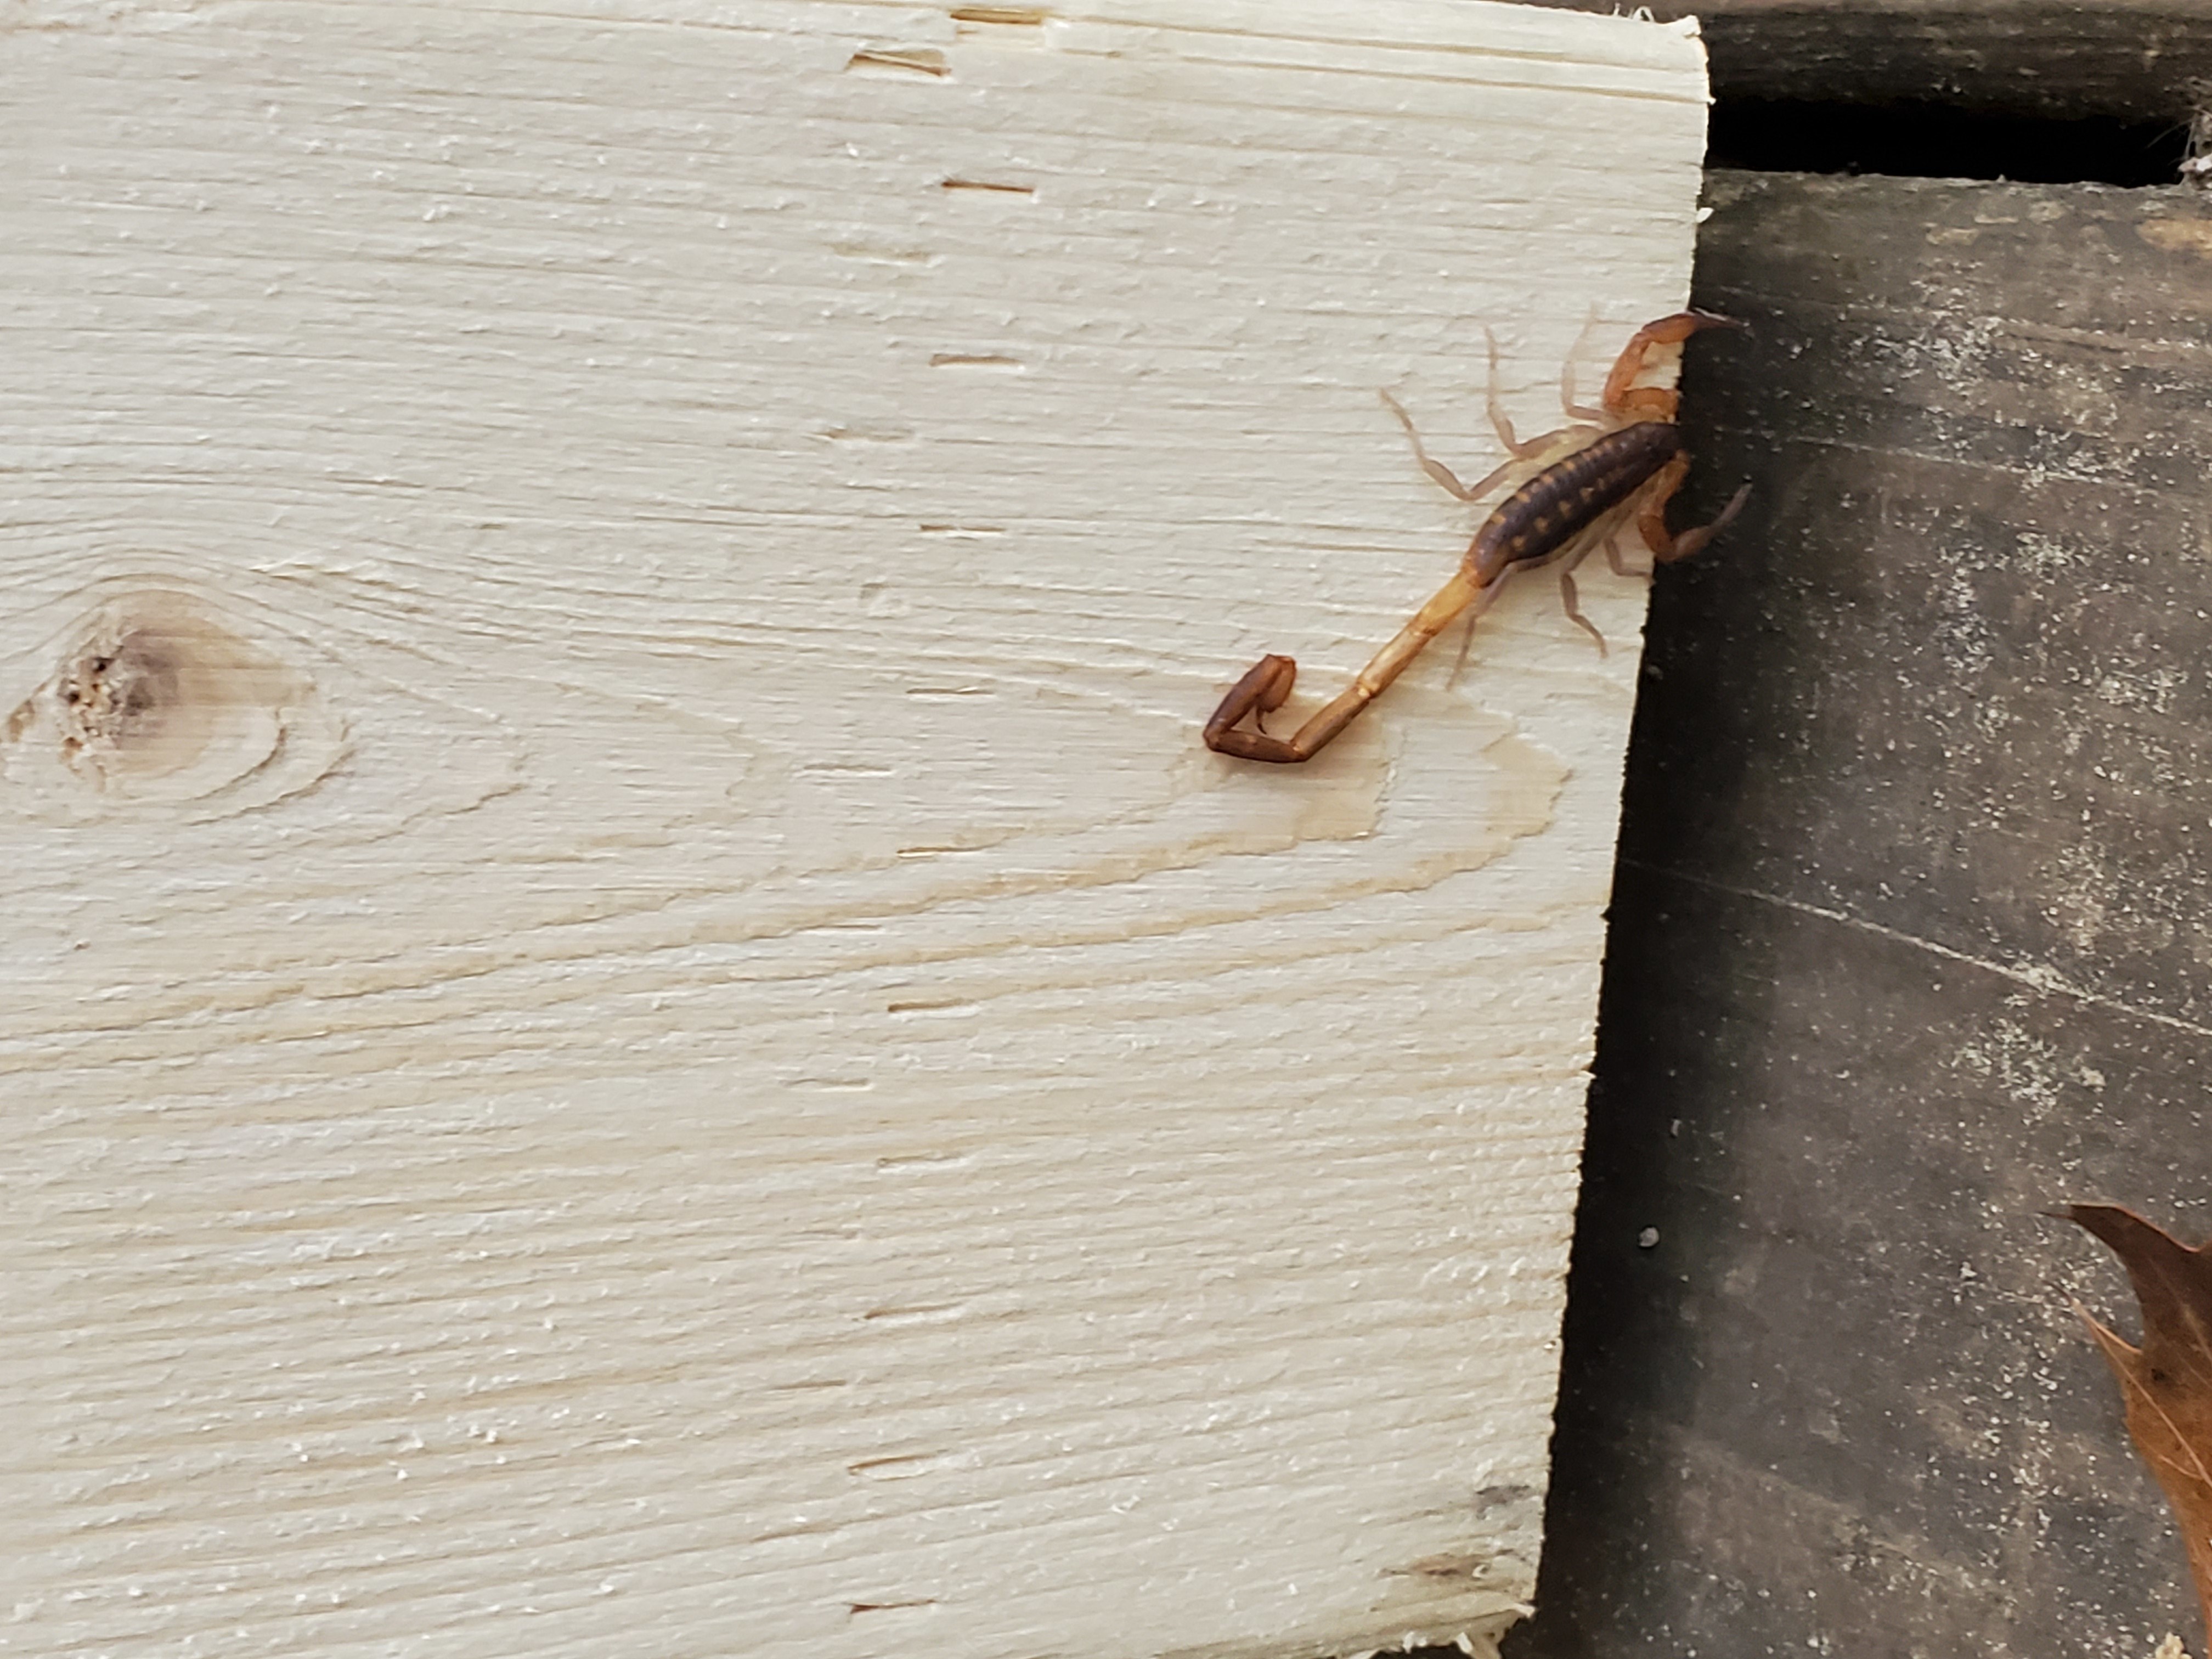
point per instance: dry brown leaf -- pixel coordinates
(2168, 1381)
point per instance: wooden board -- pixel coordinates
(632, 1006)
(1909, 945)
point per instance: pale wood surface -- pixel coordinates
(635, 1022)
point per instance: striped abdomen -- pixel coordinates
(1567, 497)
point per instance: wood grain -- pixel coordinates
(635, 1022)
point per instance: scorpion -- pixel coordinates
(1584, 483)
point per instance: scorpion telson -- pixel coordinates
(1622, 460)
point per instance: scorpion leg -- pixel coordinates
(1600, 534)
(1613, 557)
(1436, 469)
(1520, 449)
(1574, 609)
(1466, 644)
(1605, 534)
(1575, 411)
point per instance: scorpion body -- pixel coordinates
(1566, 499)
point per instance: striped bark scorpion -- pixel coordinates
(1582, 484)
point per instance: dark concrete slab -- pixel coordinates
(2054, 59)
(1909, 942)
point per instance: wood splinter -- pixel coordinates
(1584, 483)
